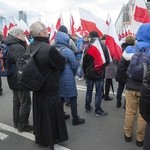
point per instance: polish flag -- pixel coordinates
(48, 29)
(12, 23)
(140, 15)
(72, 30)
(5, 29)
(97, 53)
(112, 42)
(59, 22)
(91, 22)
(52, 34)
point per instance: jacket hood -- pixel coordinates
(62, 39)
(143, 33)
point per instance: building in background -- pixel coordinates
(124, 18)
(23, 16)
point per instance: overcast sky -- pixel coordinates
(49, 10)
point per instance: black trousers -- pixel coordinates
(73, 105)
(21, 107)
(108, 84)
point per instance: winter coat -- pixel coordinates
(48, 116)
(17, 49)
(110, 71)
(145, 98)
(143, 38)
(88, 60)
(67, 81)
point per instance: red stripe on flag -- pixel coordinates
(141, 15)
(115, 50)
(90, 26)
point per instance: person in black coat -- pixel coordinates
(48, 117)
(21, 97)
(145, 108)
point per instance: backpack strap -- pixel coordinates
(39, 46)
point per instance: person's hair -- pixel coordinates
(36, 28)
(15, 31)
(130, 40)
(103, 37)
(63, 29)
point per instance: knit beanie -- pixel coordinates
(63, 29)
(93, 34)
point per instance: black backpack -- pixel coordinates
(27, 72)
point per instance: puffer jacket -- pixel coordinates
(143, 41)
(67, 80)
(145, 98)
(17, 49)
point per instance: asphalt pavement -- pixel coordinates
(98, 133)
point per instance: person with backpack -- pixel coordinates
(145, 107)
(21, 97)
(48, 117)
(94, 75)
(134, 62)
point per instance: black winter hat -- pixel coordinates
(93, 34)
(63, 29)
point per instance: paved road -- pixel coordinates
(98, 133)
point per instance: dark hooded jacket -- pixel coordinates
(17, 49)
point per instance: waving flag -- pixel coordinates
(12, 23)
(140, 15)
(52, 34)
(97, 53)
(5, 29)
(72, 30)
(91, 22)
(112, 42)
(59, 22)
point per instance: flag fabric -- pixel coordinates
(12, 23)
(90, 22)
(52, 33)
(140, 15)
(112, 42)
(5, 29)
(97, 53)
(27, 41)
(59, 22)
(72, 30)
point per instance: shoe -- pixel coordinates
(80, 79)
(118, 104)
(78, 122)
(67, 116)
(108, 98)
(127, 139)
(139, 143)
(101, 113)
(27, 128)
(88, 110)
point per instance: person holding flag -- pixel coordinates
(95, 59)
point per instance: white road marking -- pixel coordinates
(24, 134)
(3, 136)
(83, 88)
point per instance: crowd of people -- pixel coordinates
(62, 61)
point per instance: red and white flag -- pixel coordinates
(5, 29)
(140, 15)
(113, 43)
(59, 22)
(97, 53)
(72, 30)
(52, 33)
(91, 22)
(12, 23)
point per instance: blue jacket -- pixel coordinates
(143, 41)
(67, 81)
